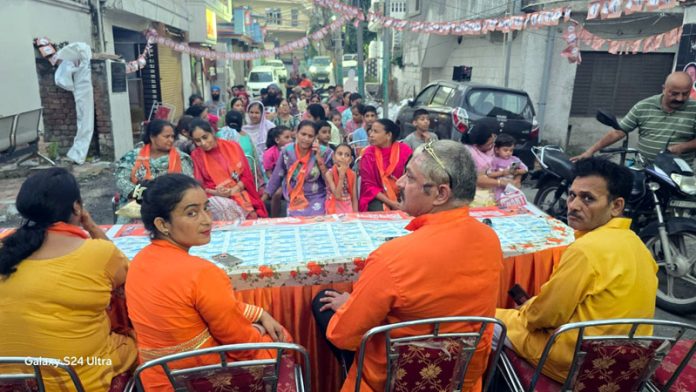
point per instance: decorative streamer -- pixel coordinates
(574, 34)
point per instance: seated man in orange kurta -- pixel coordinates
(449, 266)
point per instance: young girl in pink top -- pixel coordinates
(341, 183)
(278, 138)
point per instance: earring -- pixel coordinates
(166, 233)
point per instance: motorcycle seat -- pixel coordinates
(638, 190)
(559, 163)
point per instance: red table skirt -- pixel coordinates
(291, 306)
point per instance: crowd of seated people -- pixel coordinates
(178, 302)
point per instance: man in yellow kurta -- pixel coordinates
(606, 273)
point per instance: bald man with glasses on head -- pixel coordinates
(407, 278)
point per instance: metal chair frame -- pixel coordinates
(436, 324)
(680, 328)
(302, 377)
(36, 364)
(253, 166)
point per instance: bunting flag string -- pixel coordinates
(288, 47)
(462, 27)
(611, 9)
(575, 34)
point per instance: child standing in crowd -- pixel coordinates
(369, 115)
(324, 135)
(341, 180)
(505, 165)
(336, 121)
(421, 121)
(278, 138)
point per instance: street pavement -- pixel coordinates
(98, 187)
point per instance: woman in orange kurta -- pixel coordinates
(178, 302)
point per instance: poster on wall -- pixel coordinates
(686, 56)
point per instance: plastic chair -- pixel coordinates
(449, 352)
(27, 133)
(34, 380)
(618, 359)
(249, 375)
(7, 127)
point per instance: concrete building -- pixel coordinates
(563, 94)
(285, 21)
(111, 27)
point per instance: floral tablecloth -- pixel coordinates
(332, 249)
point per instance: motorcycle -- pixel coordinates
(662, 207)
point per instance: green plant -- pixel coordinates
(52, 150)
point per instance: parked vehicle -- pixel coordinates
(662, 206)
(280, 68)
(456, 107)
(321, 70)
(350, 57)
(261, 77)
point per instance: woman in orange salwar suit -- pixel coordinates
(178, 302)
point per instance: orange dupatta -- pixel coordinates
(388, 181)
(228, 176)
(68, 229)
(143, 160)
(298, 201)
(331, 199)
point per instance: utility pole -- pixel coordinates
(338, 53)
(386, 60)
(361, 55)
(508, 46)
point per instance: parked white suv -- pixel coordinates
(261, 77)
(280, 67)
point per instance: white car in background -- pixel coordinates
(321, 70)
(280, 67)
(261, 77)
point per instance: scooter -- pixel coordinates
(662, 206)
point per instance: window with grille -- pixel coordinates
(273, 16)
(295, 15)
(616, 83)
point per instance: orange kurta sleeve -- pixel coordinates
(216, 302)
(373, 297)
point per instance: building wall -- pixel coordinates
(429, 58)
(60, 117)
(19, 24)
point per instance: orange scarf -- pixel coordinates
(388, 181)
(298, 201)
(143, 160)
(230, 175)
(331, 199)
(67, 229)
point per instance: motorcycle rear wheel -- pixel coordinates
(676, 291)
(545, 199)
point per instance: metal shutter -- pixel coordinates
(616, 83)
(150, 77)
(171, 79)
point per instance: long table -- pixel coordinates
(281, 264)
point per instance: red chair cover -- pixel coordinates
(241, 379)
(686, 382)
(429, 365)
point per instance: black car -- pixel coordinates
(456, 107)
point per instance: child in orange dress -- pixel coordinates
(342, 185)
